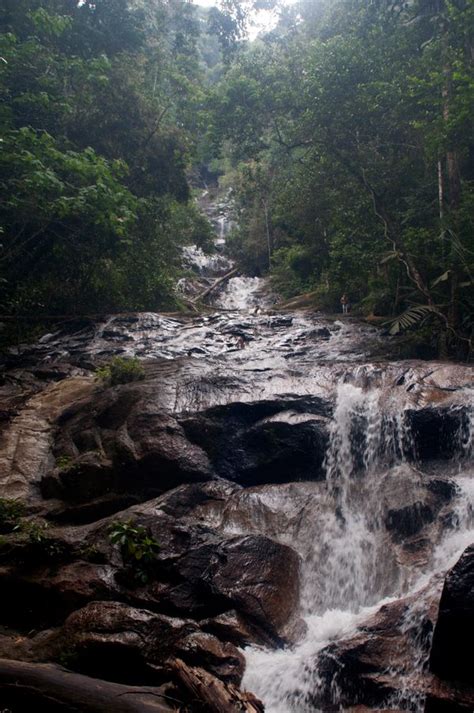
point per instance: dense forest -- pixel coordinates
(343, 134)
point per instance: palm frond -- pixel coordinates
(410, 317)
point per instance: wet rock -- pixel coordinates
(98, 508)
(409, 520)
(222, 660)
(265, 442)
(117, 642)
(435, 432)
(275, 452)
(138, 447)
(416, 509)
(454, 629)
(26, 442)
(267, 587)
(185, 499)
(444, 490)
(230, 626)
(254, 575)
(198, 572)
(45, 596)
(374, 667)
(449, 698)
(212, 574)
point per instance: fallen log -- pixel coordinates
(217, 696)
(216, 284)
(25, 686)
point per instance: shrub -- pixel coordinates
(121, 370)
(11, 512)
(40, 543)
(138, 547)
(64, 462)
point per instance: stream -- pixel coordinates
(378, 513)
(349, 568)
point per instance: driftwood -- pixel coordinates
(215, 695)
(25, 686)
(216, 284)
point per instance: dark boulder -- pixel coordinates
(121, 643)
(263, 442)
(374, 667)
(409, 520)
(454, 631)
(435, 432)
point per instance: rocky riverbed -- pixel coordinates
(310, 499)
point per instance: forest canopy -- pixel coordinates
(345, 134)
(99, 127)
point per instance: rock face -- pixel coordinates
(377, 665)
(219, 459)
(198, 573)
(269, 442)
(455, 625)
(122, 442)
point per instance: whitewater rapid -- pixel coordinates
(349, 569)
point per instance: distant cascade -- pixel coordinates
(222, 227)
(242, 293)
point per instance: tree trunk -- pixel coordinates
(45, 687)
(217, 696)
(218, 282)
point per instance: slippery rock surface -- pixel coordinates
(454, 629)
(263, 452)
(386, 661)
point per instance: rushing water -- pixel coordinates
(350, 563)
(349, 567)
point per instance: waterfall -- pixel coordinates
(350, 566)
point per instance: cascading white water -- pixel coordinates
(350, 565)
(242, 293)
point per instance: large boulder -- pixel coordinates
(274, 441)
(454, 631)
(196, 572)
(121, 643)
(121, 442)
(375, 666)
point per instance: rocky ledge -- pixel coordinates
(143, 525)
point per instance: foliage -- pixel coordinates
(99, 105)
(350, 129)
(410, 317)
(64, 462)
(137, 546)
(32, 535)
(91, 553)
(121, 370)
(11, 511)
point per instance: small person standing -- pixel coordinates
(345, 303)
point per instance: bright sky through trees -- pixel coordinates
(264, 20)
